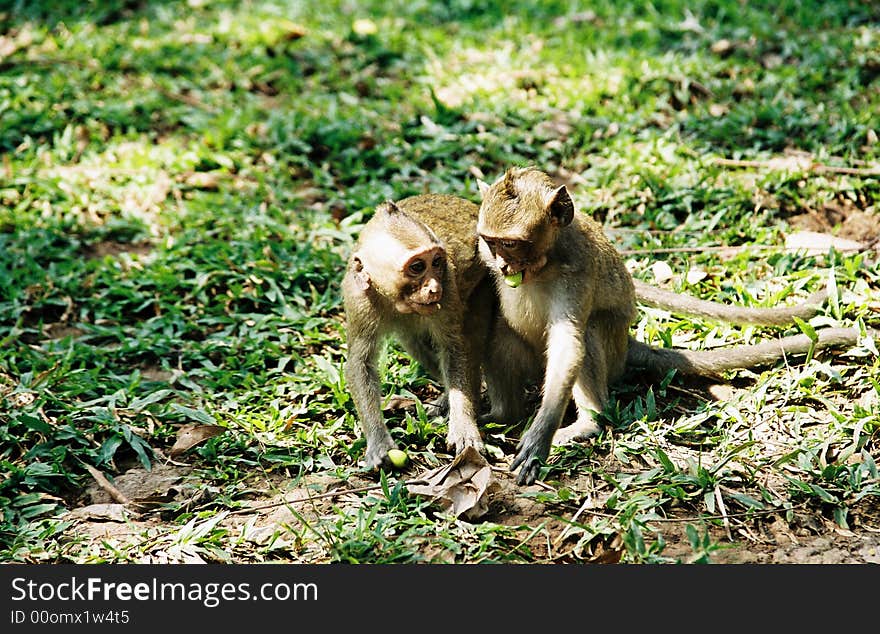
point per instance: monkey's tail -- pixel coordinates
(641, 356)
(695, 307)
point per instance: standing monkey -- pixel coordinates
(566, 304)
(415, 275)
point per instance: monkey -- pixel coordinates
(566, 304)
(415, 275)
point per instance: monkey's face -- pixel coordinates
(519, 220)
(421, 282)
(511, 256)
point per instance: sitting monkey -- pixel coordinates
(567, 302)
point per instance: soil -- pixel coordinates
(805, 536)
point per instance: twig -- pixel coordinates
(693, 249)
(819, 168)
(588, 502)
(105, 484)
(723, 509)
(668, 520)
(752, 247)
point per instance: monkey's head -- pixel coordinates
(401, 259)
(520, 216)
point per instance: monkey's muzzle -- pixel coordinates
(426, 309)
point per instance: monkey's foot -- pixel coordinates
(461, 439)
(575, 432)
(377, 454)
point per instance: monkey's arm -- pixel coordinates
(462, 387)
(565, 354)
(695, 307)
(711, 363)
(362, 378)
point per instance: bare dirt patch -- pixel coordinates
(282, 514)
(843, 219)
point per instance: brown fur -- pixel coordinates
(570, 316)
(381, 299)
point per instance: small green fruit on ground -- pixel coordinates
(513, 280)
(397, 457)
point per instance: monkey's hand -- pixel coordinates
(532, 452)
(377, 454)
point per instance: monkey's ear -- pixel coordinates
(560, 206)
(361, 277)
(484, 187)
(388, 207)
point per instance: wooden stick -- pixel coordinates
(812, 167)
(105, 484)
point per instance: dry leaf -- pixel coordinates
(204, 180)
(722, 393)
(293, 30)
(816, 243)
(662, 272)
(192, 434)
(399, 402)
(722, 47)
(696, 275)
(462, 487)
(101, 513)
(718, 110)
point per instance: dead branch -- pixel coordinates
(104, 483)
(810, 166)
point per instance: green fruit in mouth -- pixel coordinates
(397, 457)
(514, 280)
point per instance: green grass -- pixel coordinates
(181, 183)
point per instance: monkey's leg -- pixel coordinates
(604, 359)
(508, 369)
(362, 377)
(590, 393)
(461, 386)
(565, 356)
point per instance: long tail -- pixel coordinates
(689, 305)
(642, 356)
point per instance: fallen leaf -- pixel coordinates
(101, 513)
(722, 393)
(293, 30)
(718, 110)
(815, 243)
(399, 402)
(204, 180)
(662, 272)
(192, 434)
(462, 488)
(695, 275)
(722, 47)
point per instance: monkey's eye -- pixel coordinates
(438, 262)
(418, 267)
(509, 244)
